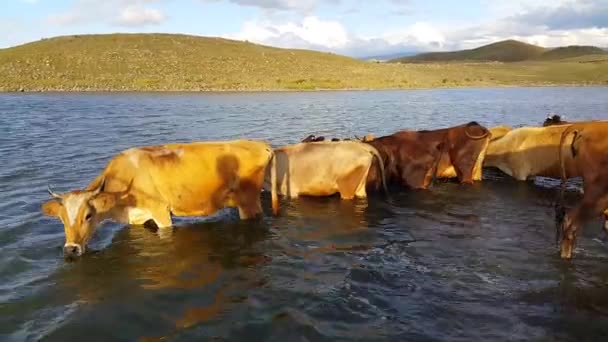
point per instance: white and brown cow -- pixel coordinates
(155, 182)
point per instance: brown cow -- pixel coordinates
(465, 148)
(313, 138)
(553, 120)
(407, 161)
(585, 144)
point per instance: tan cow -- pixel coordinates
(324, 168)
(155, 182)
(527, 152)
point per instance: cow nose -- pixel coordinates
(72, 250)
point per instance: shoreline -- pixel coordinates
(261, 90)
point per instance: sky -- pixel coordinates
(357, 28)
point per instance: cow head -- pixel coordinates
(81, 211)
(553, 120)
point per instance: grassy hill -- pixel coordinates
(504, 51)
(168, 62)
(572, 51)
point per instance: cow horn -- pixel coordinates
(476, 137)
(100, 187)
(53, 194)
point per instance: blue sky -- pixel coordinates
(351, 27)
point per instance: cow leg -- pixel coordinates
(595, 202)
(416, 177)
(350, 183)
(247, 212)
(138, 216)
(248, 196)
(361, 191)
(162, 218)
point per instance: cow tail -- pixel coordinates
(273, 183)
(381, 165)
(562, 160)
(560, 210)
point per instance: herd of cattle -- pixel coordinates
(150, 184)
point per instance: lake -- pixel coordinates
(454, 262)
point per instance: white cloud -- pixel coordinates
(140, 16)
(134, 13)
(305, 6)
(309, 32)
(327, 35)
(581, 27)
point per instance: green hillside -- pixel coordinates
(504, 51)
(167, 62)
(572, 51)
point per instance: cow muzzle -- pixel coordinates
(72, 250)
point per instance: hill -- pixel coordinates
(572, 51)
(503, 51)
(168, 62)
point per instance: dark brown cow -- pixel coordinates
(465, 149)
(313, 138)
(586, 145)
(408, 161)
(554, 120)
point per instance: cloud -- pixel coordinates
(577, 14)
(305, 6)
(133, 13)
(327, 35)
(140, 16)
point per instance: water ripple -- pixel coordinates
(454, 262)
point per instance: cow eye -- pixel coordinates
(88, 217)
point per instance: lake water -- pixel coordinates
(454, 262)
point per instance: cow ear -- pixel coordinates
(103, 202)
(51, 208)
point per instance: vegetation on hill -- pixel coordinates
(504, 51)
(572, 51)
(167, 62)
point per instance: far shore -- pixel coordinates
(278, 90)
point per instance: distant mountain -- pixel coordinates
(572, 51)
(391, 56)
(504, 51)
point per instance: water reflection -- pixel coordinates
(218, 260)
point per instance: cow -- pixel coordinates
(323, 169)
(313, 138)
(408, 162)
(553, 120)
(526, 152)
(584, 145)
(465, 148)
(152, 183)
